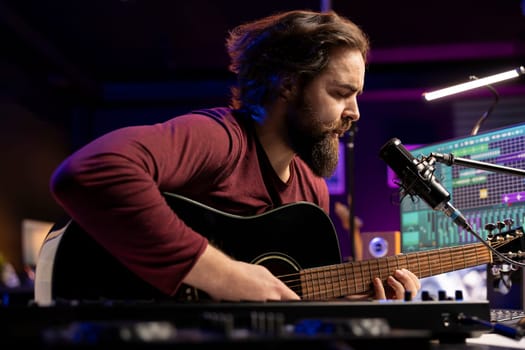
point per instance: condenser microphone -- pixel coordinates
(417, 179)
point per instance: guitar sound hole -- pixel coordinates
(278, 263)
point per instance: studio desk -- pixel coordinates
(296, 324)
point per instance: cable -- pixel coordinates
(485, 115)
(501, 255)
(498, 328)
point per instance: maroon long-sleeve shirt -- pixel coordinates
(113, 188)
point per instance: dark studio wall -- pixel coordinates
(32, 144)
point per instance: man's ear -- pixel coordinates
(287, 88)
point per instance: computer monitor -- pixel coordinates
(483, 197)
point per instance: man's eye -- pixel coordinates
(345, 94)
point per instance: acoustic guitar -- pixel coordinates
(296, 242)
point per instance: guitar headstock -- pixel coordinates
(506, 239)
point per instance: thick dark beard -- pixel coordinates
(324, 157)
(316, 147)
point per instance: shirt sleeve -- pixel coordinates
(112, 188)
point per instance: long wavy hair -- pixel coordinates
(289, 45)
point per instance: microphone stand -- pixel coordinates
(349, 171)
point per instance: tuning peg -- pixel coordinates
(490, 227)
(508, 222)
(500, 225)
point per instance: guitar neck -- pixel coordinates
(356, 277)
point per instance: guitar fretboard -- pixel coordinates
(321, 283)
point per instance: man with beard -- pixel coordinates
(298, 77)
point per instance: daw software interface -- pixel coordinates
(483, 196)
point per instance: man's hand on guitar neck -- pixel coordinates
(395, 288)
(403, 280)
(226, 279)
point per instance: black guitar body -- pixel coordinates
(286, 240)
(83, 270)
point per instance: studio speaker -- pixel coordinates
(380, 244)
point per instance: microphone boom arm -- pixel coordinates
(450, 159)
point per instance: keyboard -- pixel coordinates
(506, 316)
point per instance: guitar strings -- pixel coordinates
(352, 278)
(328, 283)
